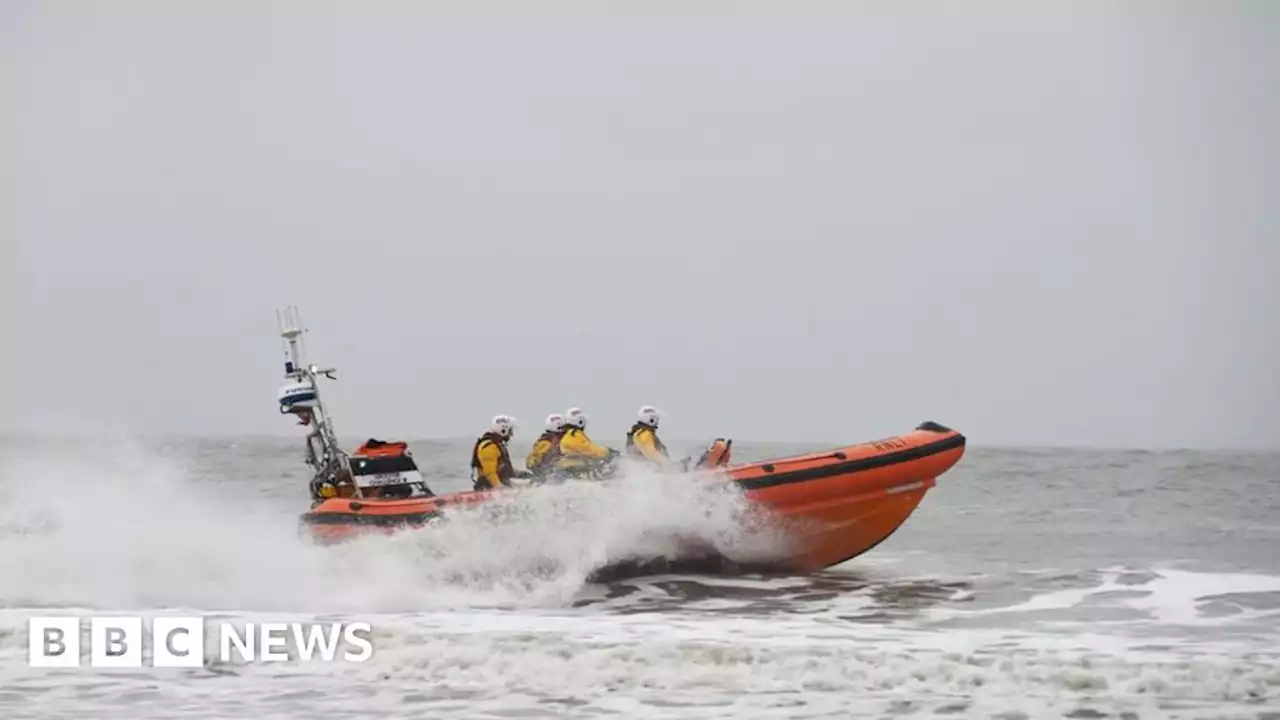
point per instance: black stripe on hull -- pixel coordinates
(853, 466)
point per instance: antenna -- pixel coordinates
(302, 331)
(290, 332)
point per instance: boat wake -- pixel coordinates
(125, 528)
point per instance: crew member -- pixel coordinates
(578, 454)
(546, 449)
(643, 442)
(490, 460)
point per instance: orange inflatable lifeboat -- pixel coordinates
(832, 506)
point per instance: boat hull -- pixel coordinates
(830, 507)
(837, 505)
(340, 519)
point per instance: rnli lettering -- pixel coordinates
(889, 444)
(382, 479)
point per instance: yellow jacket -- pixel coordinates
(491, 462)
(577, 450)
(546, 450)
(643, 443)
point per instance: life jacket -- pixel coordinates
(506, 470)
(569, 460)
(633, 451)
(551, 454)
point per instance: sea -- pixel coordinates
(1030, 583)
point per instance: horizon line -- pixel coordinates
(280, 436)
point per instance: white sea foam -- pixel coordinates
(129, 529)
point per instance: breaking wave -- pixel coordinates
(127, 528)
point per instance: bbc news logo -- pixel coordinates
(180, 642)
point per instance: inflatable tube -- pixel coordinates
(837, 505)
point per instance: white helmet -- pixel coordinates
(576, 418)
(503, 425)
(649, 415)
(555, 422)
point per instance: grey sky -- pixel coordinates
(1038, 225)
